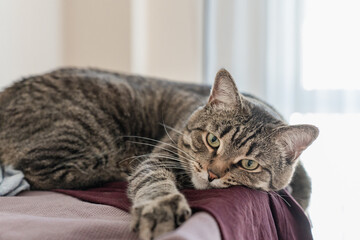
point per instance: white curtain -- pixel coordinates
(260, 43)
(303, 58)
(257, 41)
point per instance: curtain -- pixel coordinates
(256, 40)
(261, 43)
(302, 57)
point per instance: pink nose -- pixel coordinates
(212, 176)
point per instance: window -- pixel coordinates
(330, 45)
(303, 57)
(330, 77)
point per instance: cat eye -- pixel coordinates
(212, 140)
(248, 164)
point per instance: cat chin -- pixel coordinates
(201, 183)
(218, 184)
(262, 186)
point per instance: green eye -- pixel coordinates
(213, 141)
(248, 164)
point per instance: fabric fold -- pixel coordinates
(240, 212)
(12, 181)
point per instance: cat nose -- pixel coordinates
(212, 176)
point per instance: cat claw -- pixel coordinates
(160, 215)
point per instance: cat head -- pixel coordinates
(238, 140)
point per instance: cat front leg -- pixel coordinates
(158, 206)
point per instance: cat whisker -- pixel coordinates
(172, 158)
(159, 156)
(136, 156)
(168, 165)
(173, 146)
(157, 141)
(153, 145)
(163, 124)
(171, 128)
(167, 156)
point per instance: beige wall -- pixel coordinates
(162, 39)
(97, 33)
(30, 38)
(168, 38)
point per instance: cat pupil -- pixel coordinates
(250, 162)
(213, 139)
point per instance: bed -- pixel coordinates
(102, 213)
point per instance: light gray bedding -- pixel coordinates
(11, 181)
(50, 215)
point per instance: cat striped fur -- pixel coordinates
(78, 128)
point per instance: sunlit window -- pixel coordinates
(330, 53)
(333, 164)
(331, 44)
(302, 56)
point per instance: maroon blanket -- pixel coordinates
(241, 213)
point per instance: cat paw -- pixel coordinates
(160, 215)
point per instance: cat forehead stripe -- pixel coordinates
(225, 131)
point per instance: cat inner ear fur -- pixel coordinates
(295, 139)
(224, 91)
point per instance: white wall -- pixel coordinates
(97, 33)
(162, 39)
(168, 38)
(30, 39)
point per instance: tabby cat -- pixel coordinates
(79, 128)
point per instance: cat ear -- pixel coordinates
(224, 90)
(295, 139)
